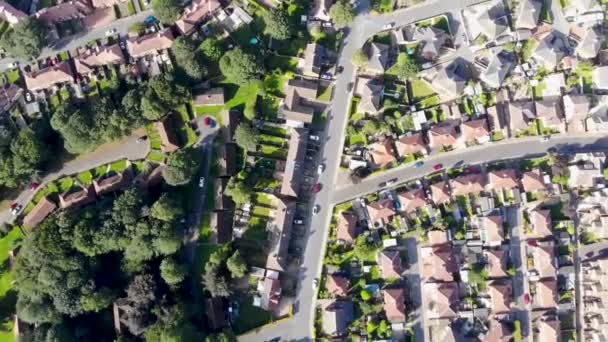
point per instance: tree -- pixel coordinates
(246, 137)
(277, 24)
(342, 13)
(212, 49)
(406, 68)
(171, 271)
(190, 65)
(240, 67)
(167, 208)
(26, 39)
(167, 11)
(370, 127)
(236, 265)
(95, 301)
(365, 296)
(161, 95)
(384, 329)
(214, 282)
(238, 191)
(142, 289)
(361, 249)
(360, 58)
(181, 166)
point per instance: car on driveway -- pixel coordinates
(437, 167)
(321, 168)
(201, 182)
(326, 76)
(110, 32)
(314, 137)
(419, 164)
(209, 122)
(16, 208)
(316, 209)
(298, 221)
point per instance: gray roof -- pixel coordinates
(551, 50)
(279, 234)
(337, 315)
(449, 80)
(591, 44)
(430, 38)
(371, 94)
(584, 6)
(498, 68)
(528, 14)
(491, 26)
(378, 57)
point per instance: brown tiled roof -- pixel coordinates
(337, 285)
(104, 3)
(64, 11)
(211, 97)
(543, 257)
(99, 18)
(467, 184)
(150, 43)
(412, 200)
(195, 13)
(394, 304)
(437, 237)
(43, 209)
(390, 264)
(501, 296)
(440, 192)
(46, 78)
(112, 182)
(346, 229)
(270, 293)
(493, 228)
(78, 198)
(475, 129)
(441, 299)
(498, 332)
(438, 263)
(548, 330)
(381, 210)
(444, 134)
(532, 181)
(550, 112)
(165, 130)
(410, 144)
(540, 224)
(546, 294)
(503, 179)
(87, 62)
(382, 152)
(497, 262)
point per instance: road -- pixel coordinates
(80, 39)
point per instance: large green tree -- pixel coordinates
(25, 154)
(406, 68)
(246, 137)
(277, 24)
(236, 265)
(172, 271)
(190, 65)
(342, 13)
(161, 95)
(167, 208)
(212, 49)
(181, 166)
(240, 66)
(167, 11)
(26, 39)
(238, 191)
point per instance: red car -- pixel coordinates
(526, 299)
(34, 186)
(438, 167)
(14, 205)
(209, 122)
(316, 188)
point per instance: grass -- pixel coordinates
(271, 140)
(273, 152)
(324, 93)
(131, 7)
(63, 56)
(186, 132)
(118, 166)
(261, 212)
(276, 131)
(65, 184)
(383, 6)
(420, 90)
(85, 178)
(357, 139)
(262, 199)
(7, 244)
(156, 156)
(139, 166)
(250, 316)
(12, 76)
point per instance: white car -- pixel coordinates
(14, 65)
(314, 137)
(388, 26)
(110, 32)
(546, 138)
(316, 209)
(320, 169)
(315, 283)
(201, 182)
(16, 209)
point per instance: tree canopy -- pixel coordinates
(212, 49)
(246, 137)
(190, 66)
(20, 158)
(167, 11)
(406, 68)
(172, 271)
(181, 166)
(241, 67)
(237, 265)
(26, 39)
(238, 191)
(162, 94)
(167, 208)
(342, 13)
(277, 24)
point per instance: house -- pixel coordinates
(57, 74)
(496, 70)
(491, 230)
(210, 97)
(10, 14)
(541, 225)
(445, 134)
(89, 61)
(346, 228)
(438, 263)
(313, 60)
(547, 330)
(589, 43)
(394, 304)
(40, 212)
(298, 107)
(437, 237)
(487, 19)
(12, 95)
(411, 145)
(543, 260)
(499, 180)
(586, 170)
(337, 316)
(382, 153)
(298, 139)
(441, 330)
(234, 17)
(576, 110)
(593, 304)
(77, 197)
(498, 331)
(447, 81)
(381, 212)
(337, 286)
(528, 14)
(599, 76)
(320, 10)
(279, 234)
(269, 291)
(467, 184)
(412, 200)
(496, 261)
(552, 85)
(475, 131)
(429, 39)
(195, 13)
(150, 44)
(440, 192)
(441, 300)
(500, 293)
(550, 113)
(520, 114)
(99, 18)
(378, 58)
(64, 11)
(546, 294)
(390, 264)
(166, 132)
(551, 49)
(370, 91)
(532, 181)
(113, 181)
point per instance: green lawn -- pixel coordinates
(273, 152)
(187, 134)
(119, 165)
(131, 7)
(324, 93)
(7, 243)
(154, 137)
(275, 131)
(250, 317)
(139, 166)
(50, 189)
(274, 83)
(262, 199)
(261, 211)
(156, 156)
(420, 90)
(65, 184)
(271, 140)
(357, 139)
(12, 76)
(64, 56)
(85, 178)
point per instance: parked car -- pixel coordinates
(201, 182)
(315, 283)
(327, 24)
(316, 209)
(419, 164)
(110, 32)
(142, 138)
(314, 137)
(34, 186)
(546, 138)
(339, 69)
(298, 221)
(391, 181)
(317, 187)
(438, 167)
(122, 45)
(321, 168)
(209, 122)
(14, 65)
(326, 76)
(16, 209)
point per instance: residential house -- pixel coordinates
(346, 228)
(550, 113)
(490, 229)
(429, 39)
(543, 260)
(528, 14)
(337, 316)
(150, 44)
(589, 41)
(592, 213)
(299, 105)
(337, 286)
(99, 18)
(233, 17)
(269, 291)
(166, 132)
(113, 181)
(57, 74)
(500, 293)
(105, 3)
(89, 61)
(532, 181)
(447, 81)
(394, 304)
(599, 76)
(412, 200)
(540, 224)
(546, 294)
(486, 19)
(370, 91)
(382, 153)
(464, 185)
(501, 180)
(496, 261)
(520, 114)
(584, 12)
(381, 212)
(73, 9)
(576, 110)
(551, 49)
(547, 330)
(280, 234)
(313, 60)
(496, 70)
(437, 237)
(441, 330)
(475, 131)
(445, 134)
(440, 192)
(378, 58)
(77, 197)
(411, 145)
(441, 300)
(594, 300)
(586, 170)
(10, 14)
(498, 331)
(438, 263)
(210, 97)
(294, 166)
(195, 13)
(40, 212)
(598, 118)
(390, 264)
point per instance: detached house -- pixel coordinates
(269, 291)
(111, 182)
(491, 230)
(378, 58)
(541, 225)
(551, 49)
(475, 131)
(543, 259)
(520, 115)
(487, 19)
(430, 39)
(500, 293)
(440, 192)
(10, 14)
(382, 153)
(337, 286)
(346, 229)
(447, 81)
(532, 181)
(528, 14)
(441, 300)
(438, 263)
(445, 134)
(381, 212)
(411, 145)
(499, 180)
(57, 74)
(298, 107)
(168, 139)
(77, 197)
(467, 184)
(41, 211)
(337, 316)
(390, 264)
(546, 294)
(412, 200)
(370, 91)
(576, 110)
(496, 261)
(550, 113)
(394, 304)
(589, 41)
(313, 60)
(496, 70)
